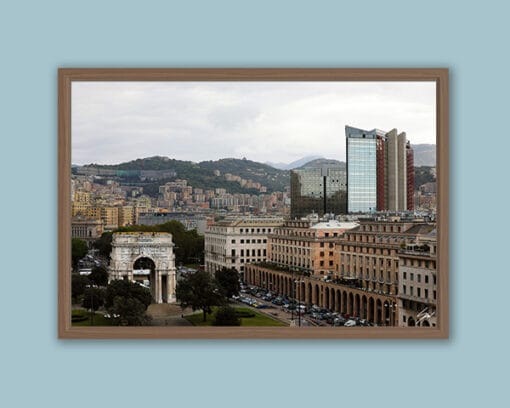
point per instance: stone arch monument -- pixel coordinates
(130, 247)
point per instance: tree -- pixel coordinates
(79, 249)
(130, 310)
(99, 276)
(93, 298)
(78, 285)
(226, 316)
(104, 244)
(228, 281)
(129, 301)
(199, 291)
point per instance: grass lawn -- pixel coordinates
(259, 319)
(99, 319)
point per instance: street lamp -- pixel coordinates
(299, 300)
(390, 307)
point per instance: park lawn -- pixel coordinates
(99, 319)
(259, 319)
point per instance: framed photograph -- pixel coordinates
(253, 203)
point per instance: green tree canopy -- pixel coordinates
(93, 298)
(79, 249)
(199, 291)
(228, 281)
(226, 316)
(78, 284)
(129, 301)
(104, 244)
(130, 310)
(99, 276)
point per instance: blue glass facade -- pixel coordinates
(361, 170)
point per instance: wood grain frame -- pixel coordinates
(67, 75)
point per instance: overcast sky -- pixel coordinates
(113, 122)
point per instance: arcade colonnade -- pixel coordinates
(379, 309)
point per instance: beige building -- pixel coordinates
(305, 246)
(418, 282)
(234, 242)
(86, 229)
(126, 215)
(368, 254)
(366, 266)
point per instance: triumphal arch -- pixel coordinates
(149, 254)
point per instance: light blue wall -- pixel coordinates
(471, 369)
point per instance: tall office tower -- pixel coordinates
(380, 172)
(318, 190)
(365, 170)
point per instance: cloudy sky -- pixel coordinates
(113, 122)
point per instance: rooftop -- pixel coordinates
(333, 224)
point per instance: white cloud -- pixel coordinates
(263, 121)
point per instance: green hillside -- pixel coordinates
(201, 175)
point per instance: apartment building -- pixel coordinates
(235, 242)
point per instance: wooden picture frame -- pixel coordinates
(66, 76)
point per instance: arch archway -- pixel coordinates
(350, 305)
(378, 312)
(151, 255)
(411, 322)
(371, 308)
(364, 307)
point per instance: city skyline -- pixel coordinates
(116, 122)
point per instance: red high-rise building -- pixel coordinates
(410, 176)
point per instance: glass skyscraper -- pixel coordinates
(362, 180)
(380, 173)
(318, 190)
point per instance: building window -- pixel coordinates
(419, 291)
(434, 295)
(242, 252)
(426, 279)
(419, 278)
(242, 241)
(405, 275)
(412, 276)
(404, 289)
(233, 241)
(426, 293)
(404, 319)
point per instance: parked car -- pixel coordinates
(350, 323)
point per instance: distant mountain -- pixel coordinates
(424, 154)
(323, 162)
(293, 165)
